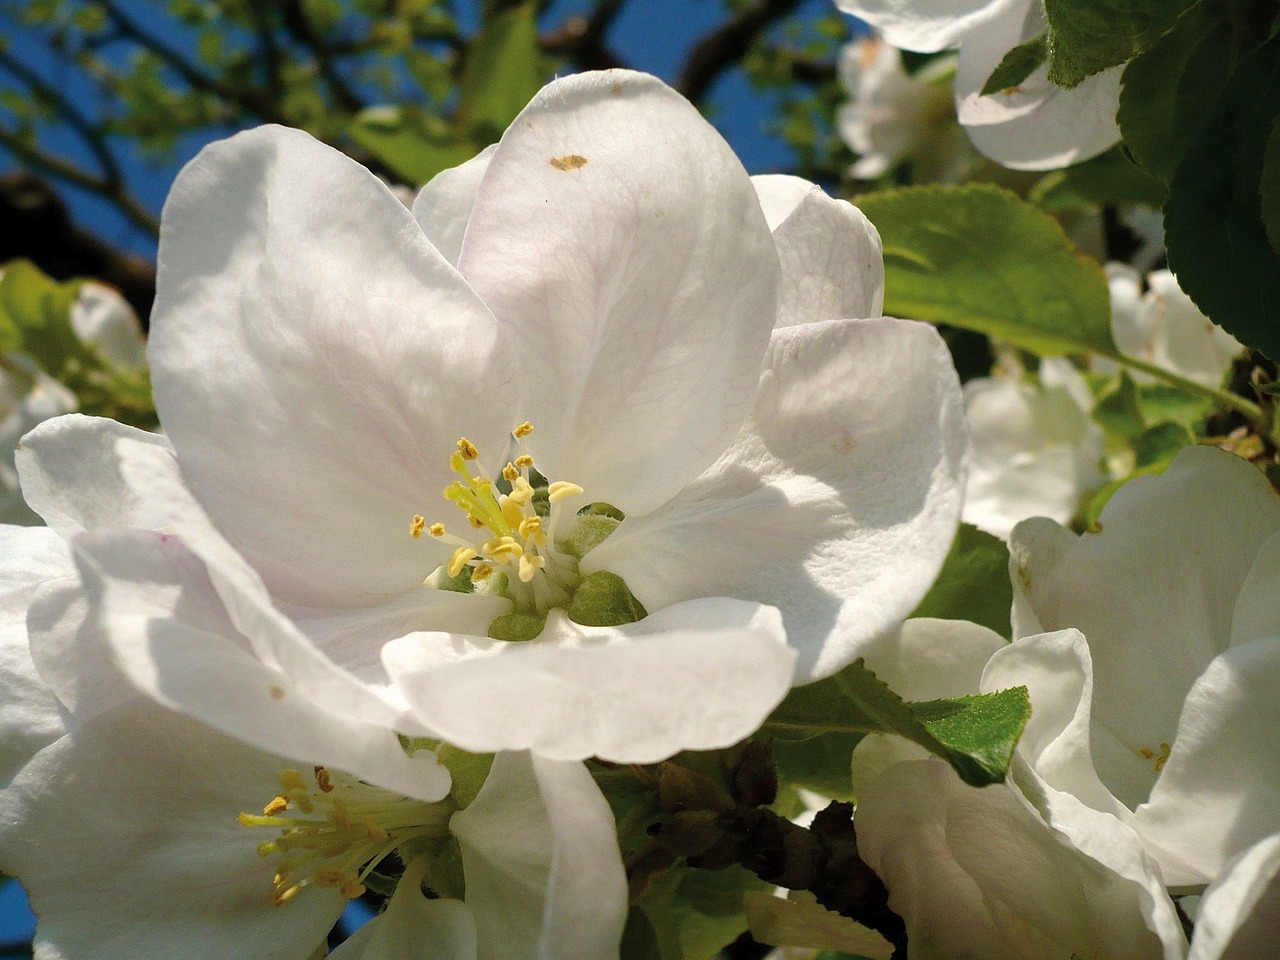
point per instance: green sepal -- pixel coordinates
(591, 530)
(517, 627)
(604, 600)
(1018, 64)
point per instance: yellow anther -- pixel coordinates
(562, 490)
(323, 780)
(283, 896)
(524, 460)
(531, 529)
(1163, 758)
(512, 511)
(278, 805)
(510, 473)
(459, 560)
(523, 430)
(481, 572)
(467, 449)
(437, 530)
(502, 550)
(522, 492)
(475, 522)
(416, 526)
(529, 565)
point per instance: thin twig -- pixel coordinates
(582, 39)
(727, 45)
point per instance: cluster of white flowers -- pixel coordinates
(669, 425)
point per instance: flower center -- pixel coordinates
(515, 518)
(1160, 758)
(336, 834)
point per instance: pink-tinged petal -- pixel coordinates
(1240, 912)
(620, 244)
(820, 508)
(413, 928)
(315, 358)
(929, 25)
(125, 834)
(832, 263)
(1152, 591)
(29, 713)
(443, 206)
(978, 873)
(171, 635)
(1219, 790)
(540, 855)
(1036, 125)
(698, 675)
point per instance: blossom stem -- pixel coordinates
(1223, 398)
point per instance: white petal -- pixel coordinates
(414, 928)
(103, 319)
(1056, 744)
(1036, 448)
(832, 267)
(780, 194)
(928, 25)
(172, 637)
(443, 206)
(1219, 791)
(1240, 912)
(28, 397)
(71, 475)
(29, 714)
(1039, 126)
(976, 873)
(620, 244)
(820, 508)
(697, 675)
(125, 834)
(1152, 608)
(540, 855)
(1257, 615)
(314, 360)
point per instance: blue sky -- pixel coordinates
(652, 35)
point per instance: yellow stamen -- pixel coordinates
(530, 528)
(523, 430)
(459, 560)
(501, 550)
(510, 473)
(512, 511)
(524, 461)
(467, 449)
(522, 492)
(475, 522)
(437, 530)
(481, 572)
(562, 490)
(416, 526)
(529, 565)
(276, 806)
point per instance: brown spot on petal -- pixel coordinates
(277, 693)
(570, 161)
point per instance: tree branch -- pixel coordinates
(727, 45)
(582, 39)
(299, 27)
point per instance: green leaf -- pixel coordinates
(1108, 179)
(1269, 188)
(35, 318)
(414, 145)
(1214, 232)
(468, 771)
(1169, 93)
(1018, 64)
(1160, 402)
(974, 582)
(976, 735)
(980, 258)
(819, 763)
(1118, 410)
(1160, 443)
(501, 74)
(1086, 36)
